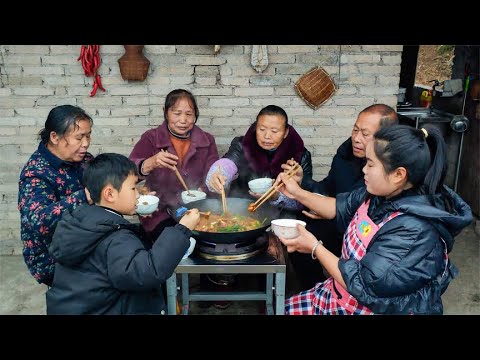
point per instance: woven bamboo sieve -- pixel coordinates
(315, 87)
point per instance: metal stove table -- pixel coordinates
(270, 262)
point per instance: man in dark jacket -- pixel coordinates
(345, 175)
(104, 265)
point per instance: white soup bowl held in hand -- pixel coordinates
(195, 195)
(286, 228)
(260, 185)
(147, 204)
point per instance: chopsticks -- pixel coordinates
(179, 176)
(224, 199)
(268, 194)
(206, 214)
(202, 213)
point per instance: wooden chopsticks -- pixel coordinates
(179, 176)
(224, 201)
(274, 188)
(224, 198)
(202, 213)
(206, 214)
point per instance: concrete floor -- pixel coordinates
(21, 295)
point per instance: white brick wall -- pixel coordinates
(35, 78)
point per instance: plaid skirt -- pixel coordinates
(319, 301)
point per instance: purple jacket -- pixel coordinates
(200, 156)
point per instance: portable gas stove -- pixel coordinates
(249, 257)
(234, 251)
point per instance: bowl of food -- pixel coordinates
(194, 195)
(286, 228)
(260, 185)
(147, 204)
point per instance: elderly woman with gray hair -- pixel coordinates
(50, 183)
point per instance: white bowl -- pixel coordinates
(197, 195)
(260, 185)
(286, 228)
(190, 248)
(147, 204)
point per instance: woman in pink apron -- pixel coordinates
(399, 229)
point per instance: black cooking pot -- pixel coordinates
(235, 206)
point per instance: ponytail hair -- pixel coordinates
(422, 152)
(438, 168)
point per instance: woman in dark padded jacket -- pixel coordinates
(268, 144)
(398, 231)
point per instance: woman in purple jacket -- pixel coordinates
(176, 142)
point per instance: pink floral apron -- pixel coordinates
(330, 297)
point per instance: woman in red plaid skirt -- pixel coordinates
(398, 230)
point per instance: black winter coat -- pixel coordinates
(345, 173)
(103, 266)
(401, 272)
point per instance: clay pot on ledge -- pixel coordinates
(133, 64)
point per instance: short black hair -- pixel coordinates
(273, 110)
(107, 168)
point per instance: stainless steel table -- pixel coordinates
(271, 262)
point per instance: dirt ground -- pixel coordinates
(434, 64)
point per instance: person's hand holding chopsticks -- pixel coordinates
(277, 184)
(190, 219)
(290, 187)
(217, 181)
(298, 176)
(163, 159)
(177, 173)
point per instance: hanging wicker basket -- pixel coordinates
(315, 87)
(133, 64)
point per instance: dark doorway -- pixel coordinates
(408, 70)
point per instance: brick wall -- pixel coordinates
(230, 93)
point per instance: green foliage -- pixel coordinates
(443, 49)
